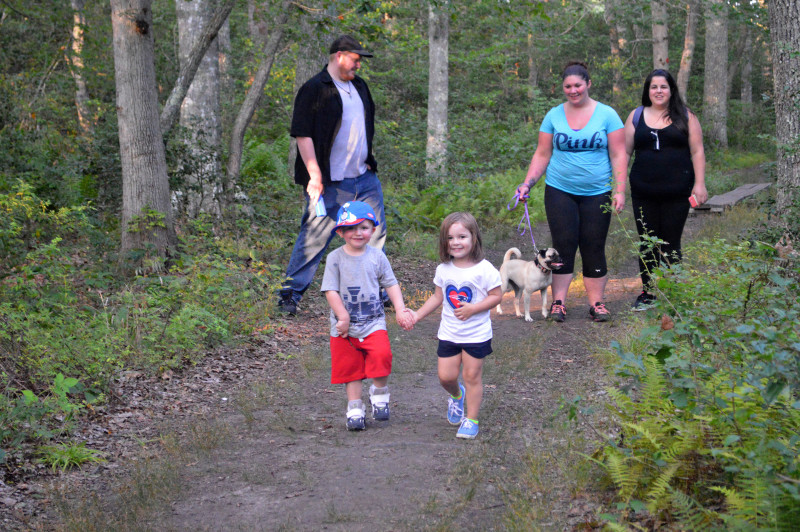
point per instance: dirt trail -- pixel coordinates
(260, 440)
(295, 467)
(292, 465)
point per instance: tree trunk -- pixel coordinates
(199, 112)
(660, 40)
(311, 57)
(785, 34)
(169, 115)
(715, 82)
(746, 92)
(146, 211)
(226, 84)
(252, 99)
(689, 41)
(736, 60)
(75, 62)
(616, 36)
(438, 44)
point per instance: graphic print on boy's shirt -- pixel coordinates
(360, 309)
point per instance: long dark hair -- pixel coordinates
(677, 111)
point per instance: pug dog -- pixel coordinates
(525, 277)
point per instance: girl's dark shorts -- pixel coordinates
(450, 349)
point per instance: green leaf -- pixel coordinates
(30, 397)
(733, 438)
(773, 390)
(638, 506)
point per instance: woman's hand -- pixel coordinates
(700, 193)
(618, 202)
(523, 190)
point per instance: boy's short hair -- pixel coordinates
(353, 213)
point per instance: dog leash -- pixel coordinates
(525, 217)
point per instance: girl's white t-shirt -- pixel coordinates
(470, 285)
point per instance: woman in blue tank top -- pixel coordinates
(582, 149)
(667, 173)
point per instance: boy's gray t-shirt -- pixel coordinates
(359, 281)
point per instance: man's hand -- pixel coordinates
(315, 189)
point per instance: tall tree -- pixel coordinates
(75, 62)
(146, 211)
(617, 42)
(689, 41)
(438, 55)
(253, 98)
(310, 59)
(785, 34)
(169, 115)
(746, 91)
(200, 111)
(658, 10)
(715, 81)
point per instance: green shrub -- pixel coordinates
(710, 408)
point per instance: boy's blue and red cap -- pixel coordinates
(353, 213)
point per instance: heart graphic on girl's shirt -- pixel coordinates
(456, 296)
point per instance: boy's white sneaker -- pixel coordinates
(380, 404)
(355, 419)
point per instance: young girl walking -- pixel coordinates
(469, 286)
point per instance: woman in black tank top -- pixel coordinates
(668, 172)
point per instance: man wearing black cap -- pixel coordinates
(333, 122)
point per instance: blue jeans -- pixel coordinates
(316, 233)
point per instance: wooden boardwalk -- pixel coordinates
(720, 202)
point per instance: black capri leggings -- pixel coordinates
(663, 219)
(579, 222)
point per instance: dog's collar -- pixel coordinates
(540, 266)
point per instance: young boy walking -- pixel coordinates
(354, 276)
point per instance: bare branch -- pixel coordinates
(169, 115)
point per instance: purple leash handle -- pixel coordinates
(525, 217)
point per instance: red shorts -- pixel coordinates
(354, 360)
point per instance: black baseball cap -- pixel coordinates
(347, 43)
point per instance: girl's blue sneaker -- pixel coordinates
(468, 430)
(455, 408)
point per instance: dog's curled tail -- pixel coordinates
(513, 251)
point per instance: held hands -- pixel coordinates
(406, 318)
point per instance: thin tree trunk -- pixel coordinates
(226, 85)
(715, 82)
(438, 44)
(736, 60)
(253, 98)
(746, 92)
(146, 211)
(169, 115)
(311, 57)
(75, 62)
(616, 36)
(689, 41)
(199, 112)
(785, 35)
(660, 37)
